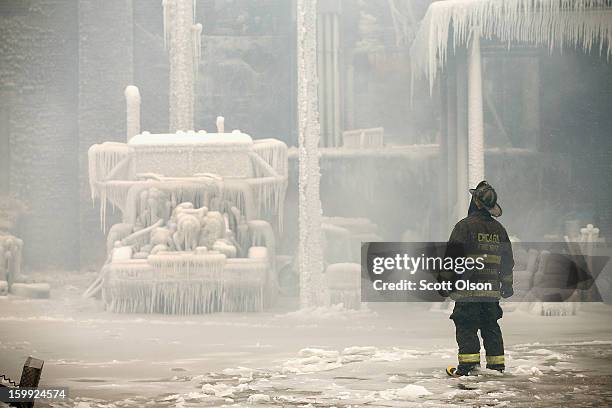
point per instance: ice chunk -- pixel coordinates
(410, 391)
(218, 390)
(122, 254)
(258, 399)
(364, 350)
(310, 352)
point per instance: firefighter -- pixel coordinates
(480, 235)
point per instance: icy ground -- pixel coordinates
(389, 355)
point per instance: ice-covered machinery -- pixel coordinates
(228, 166)
(200, 215)
(11, 249)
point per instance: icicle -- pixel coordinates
(551, 23)
(244, 283)
(264, 247)
(202, 192)
(274, 152)
(186, 283)
(102, 160)
(238, 193)
(268, 187)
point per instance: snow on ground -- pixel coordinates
(387, 355)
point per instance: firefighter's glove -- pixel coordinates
(506, 291)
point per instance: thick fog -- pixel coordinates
(185, 187)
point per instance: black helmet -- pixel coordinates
(486, 195)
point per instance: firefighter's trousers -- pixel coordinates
(469, 317)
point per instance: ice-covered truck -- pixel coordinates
(200, 216)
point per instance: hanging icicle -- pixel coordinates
(274, 152)
(552, 23)
(102, 160)
(186, 283)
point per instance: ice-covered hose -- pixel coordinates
(96, 286)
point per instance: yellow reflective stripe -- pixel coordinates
(495, 359)
(492, 259)
(469, 358)
(486, 258)
(474, 257)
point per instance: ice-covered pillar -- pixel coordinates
(132, 103)
(475, 112)
(312, 285)
(462, 180)
(182, 38)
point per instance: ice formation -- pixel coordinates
(475, 113)
(197, 166)
(105, 160)
(200, 216)
(200, 211)
(552, 23)
(11, 249)
(167, 267)
(132, 102)
(310, 251)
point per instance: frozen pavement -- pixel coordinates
(539, 375)
(389, 355)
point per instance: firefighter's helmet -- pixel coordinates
(485, 194)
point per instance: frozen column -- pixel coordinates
(182, 38)
(132, 102)
(475, 113)
(313, 291)
(462, 180)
